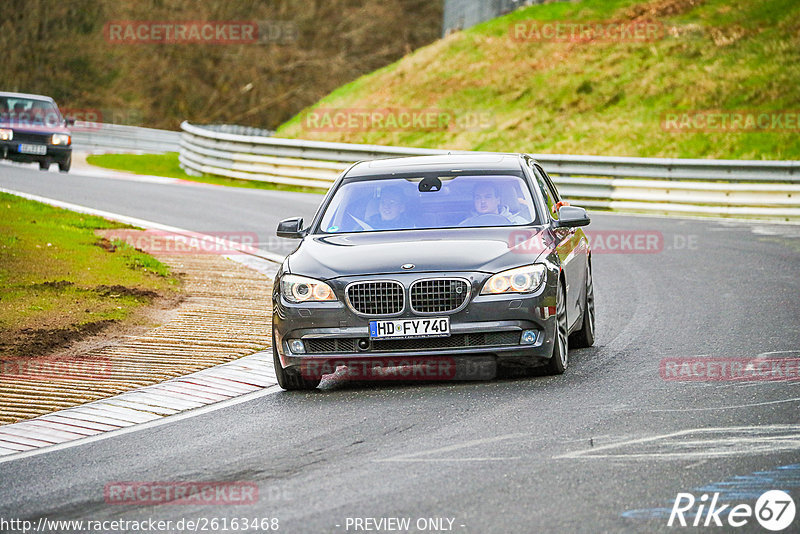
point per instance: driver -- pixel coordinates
(391, 211)
(487, 202)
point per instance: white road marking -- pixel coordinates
(711, 443)
(414, 457)
(486, 459)
(715, 408)
(696, 464)
(759, 383)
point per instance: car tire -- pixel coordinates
(63, 166)
(585, 336)
(559, 361)
(44, 165)
(291, 379)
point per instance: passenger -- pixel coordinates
(488, 202)
(37, 113)
(391, 211)
(19, 114)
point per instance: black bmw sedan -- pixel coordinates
(430, 265)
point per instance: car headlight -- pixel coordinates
(6, 134)
(295, 288)
(525, 279)
(60, 139)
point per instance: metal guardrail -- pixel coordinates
(725, 188)
(116, 137)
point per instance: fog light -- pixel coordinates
(529, 337)
(297, 346)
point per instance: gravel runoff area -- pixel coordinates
(226, 314)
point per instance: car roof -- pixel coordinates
(26, 95)
(438, 163)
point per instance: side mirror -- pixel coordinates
(291, 228)
(571, 217)
(69, 121)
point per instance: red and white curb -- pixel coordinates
(246, 375)
(185, 396)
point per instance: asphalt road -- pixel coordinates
(604, 448)
(232, 211)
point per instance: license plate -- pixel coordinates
(39, 150)
(406, 328)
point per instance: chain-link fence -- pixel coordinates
(461, 14)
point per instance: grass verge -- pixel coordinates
(167, 165)
(599, 96)
(59, 281)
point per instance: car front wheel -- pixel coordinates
(64, 166)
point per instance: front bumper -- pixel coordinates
(54, 153)
(490, 326)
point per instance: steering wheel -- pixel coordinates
(359, 222)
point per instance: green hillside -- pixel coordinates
(602, 95)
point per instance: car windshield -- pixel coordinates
(429, 202)
(22, 111)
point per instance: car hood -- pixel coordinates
(486, 250)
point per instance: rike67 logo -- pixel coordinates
(774, 510)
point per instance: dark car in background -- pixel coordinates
(32, 130)
(458, 257)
